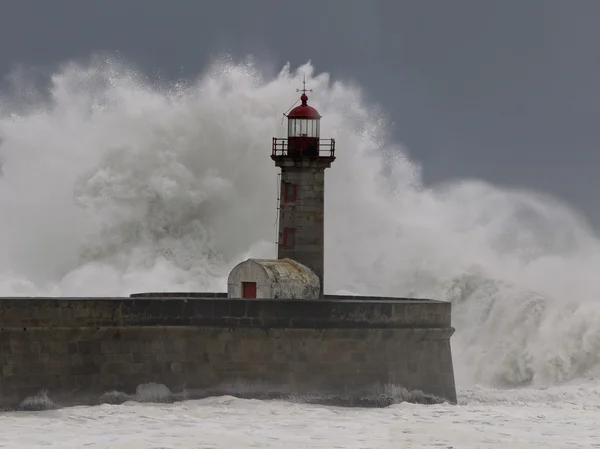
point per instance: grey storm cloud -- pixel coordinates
(503, 91)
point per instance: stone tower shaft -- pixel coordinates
(302, 213)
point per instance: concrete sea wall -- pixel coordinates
(358, 351)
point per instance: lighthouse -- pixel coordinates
(303, 157)
(298, 271)
(273, 335)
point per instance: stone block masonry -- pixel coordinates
(348, 350)
(303, 213)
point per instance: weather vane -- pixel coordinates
(304, 89)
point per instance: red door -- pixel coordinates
(248, 289)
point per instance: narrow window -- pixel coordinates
(289, 238)
(305, 128)
(294, 127)
(248, 289)
(289, 192)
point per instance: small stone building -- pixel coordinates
(273, 279)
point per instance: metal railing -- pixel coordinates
(303, 147)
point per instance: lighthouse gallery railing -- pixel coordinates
(281, 148)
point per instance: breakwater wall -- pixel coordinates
(346, 350)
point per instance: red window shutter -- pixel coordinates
(248, 289)
(289, 238)
(289, 192)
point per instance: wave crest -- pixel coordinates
(112, 184)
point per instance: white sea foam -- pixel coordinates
(112, 184)
(226, 422)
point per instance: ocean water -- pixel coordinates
(112, 183)
(494, 420)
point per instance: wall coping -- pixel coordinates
(325, 297)
(223, 312)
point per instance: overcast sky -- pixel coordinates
(507, 91)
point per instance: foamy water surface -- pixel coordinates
(516, 421)
(111, 183)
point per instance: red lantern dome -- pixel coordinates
(304, 111)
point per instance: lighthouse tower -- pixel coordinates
(303, 157)
(297, 273)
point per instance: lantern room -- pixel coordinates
(303, 129)
(303, 139)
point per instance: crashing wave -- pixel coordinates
(112, 184)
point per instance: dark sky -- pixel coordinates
(507, 91)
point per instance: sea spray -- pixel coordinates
(112, 184)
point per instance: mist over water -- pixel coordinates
(112, 184)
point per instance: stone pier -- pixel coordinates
(344, 350)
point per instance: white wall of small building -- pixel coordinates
(249, 271)
(275, 279)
